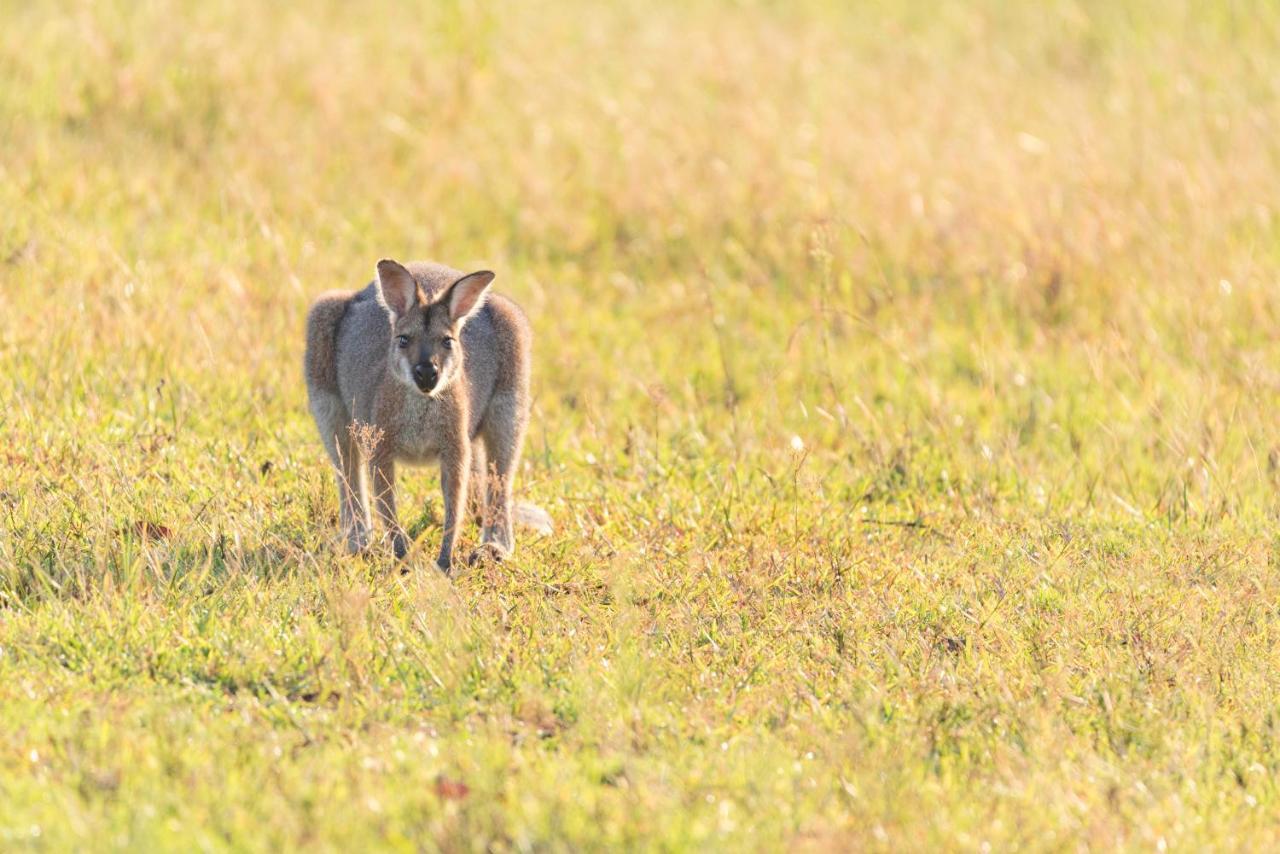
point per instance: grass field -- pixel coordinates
(905, 390)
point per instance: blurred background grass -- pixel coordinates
(905, 388)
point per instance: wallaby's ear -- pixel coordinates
(466, 296)
(397, 291)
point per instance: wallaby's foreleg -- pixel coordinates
(503, 436)
(382, 472)
(455, 466)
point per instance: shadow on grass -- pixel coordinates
(147, 558)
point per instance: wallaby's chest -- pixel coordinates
(419, 432)
(419, 429)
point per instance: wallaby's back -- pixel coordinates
(320, 363)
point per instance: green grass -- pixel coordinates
(906, 379)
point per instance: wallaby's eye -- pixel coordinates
(402, 341)
(447, 343)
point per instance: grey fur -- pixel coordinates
(371, 413)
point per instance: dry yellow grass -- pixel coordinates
(905, 388)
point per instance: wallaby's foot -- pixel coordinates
(399, 544)
(488, 553)
(445, 567)
(357, 541)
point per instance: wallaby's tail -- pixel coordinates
(532, 516)
(321, 360)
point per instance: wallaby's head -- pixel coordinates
(426, 326)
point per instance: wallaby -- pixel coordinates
(423, 364)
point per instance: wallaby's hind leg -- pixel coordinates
(503, 433)
(476, 483)
(354, 498)
(333, 423)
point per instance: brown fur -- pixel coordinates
(371, 353)
(321, 356)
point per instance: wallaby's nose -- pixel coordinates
(425, 376)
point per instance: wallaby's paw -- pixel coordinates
(357, 542)
(400, 545)
(487, 553)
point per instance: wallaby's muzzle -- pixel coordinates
(425, 377)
